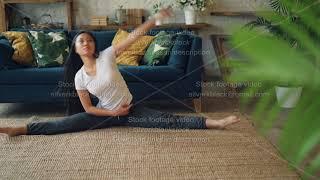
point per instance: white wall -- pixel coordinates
(86, 8)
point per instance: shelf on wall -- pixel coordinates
(236, 13)
(34, 1)
(197, 26)
(4, 15)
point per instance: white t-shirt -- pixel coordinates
(108, 84)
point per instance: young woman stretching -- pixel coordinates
(98, 74)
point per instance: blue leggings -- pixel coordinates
(139, 116)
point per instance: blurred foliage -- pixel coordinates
(282, 47)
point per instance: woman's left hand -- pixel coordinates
(164, 13)
(123, 110)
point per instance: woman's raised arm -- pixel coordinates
(141, 30)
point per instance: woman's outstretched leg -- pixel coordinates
(14, 131)
(221, 123)
(75, 123)
(141, 116)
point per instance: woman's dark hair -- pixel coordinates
(71, 67)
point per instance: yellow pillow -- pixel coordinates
(133, 54)
(23, 53)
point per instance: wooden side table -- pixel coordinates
(221, 51)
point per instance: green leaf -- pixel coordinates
(314, 166)
(259, 113)
(285, 52)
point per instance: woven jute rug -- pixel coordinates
(238, 152)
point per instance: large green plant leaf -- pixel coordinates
(285, 53)
(279, 6)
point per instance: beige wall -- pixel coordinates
(86, 8)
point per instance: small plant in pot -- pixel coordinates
(287, 93)
(273, 58)
(191, 8)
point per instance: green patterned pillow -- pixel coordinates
(50, 49)
(158, 50)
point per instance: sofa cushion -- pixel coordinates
(34, 75)
(6, 51)
(149, 73)
(52, 75)
(23, 53)
(50, 49)
(158, 50)
(132, 54)
(180, 51)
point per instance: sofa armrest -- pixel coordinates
(195, 63)
(194, 70)
(6, 52)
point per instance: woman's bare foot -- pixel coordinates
(14, 131)
(221, 123)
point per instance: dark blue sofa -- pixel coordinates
(177, 79)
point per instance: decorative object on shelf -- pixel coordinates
(46, 22)
(26, 21)
(190, 8)
(120, 15)
(99, 21)
(134, 16)
(190, 15)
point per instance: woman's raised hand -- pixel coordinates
(141, 30)
(164, 13)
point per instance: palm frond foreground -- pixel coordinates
(272, 60)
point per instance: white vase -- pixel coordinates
(190, 15)
(288, 97)
(120, 16)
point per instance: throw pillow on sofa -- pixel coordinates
(133, 54)
(50, 49)
(158, 50)
(6, 51)
(180, 51)
(23, 53)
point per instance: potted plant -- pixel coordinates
(288, 55)
(190, 8)
(287, 93)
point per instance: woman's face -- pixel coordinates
(84, 45)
